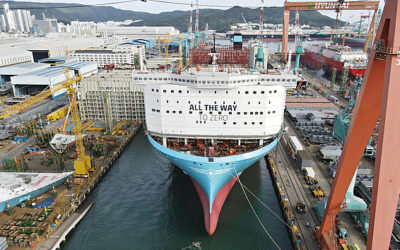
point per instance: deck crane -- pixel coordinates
(82, 164)
(298, 42)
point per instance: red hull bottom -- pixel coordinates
(211, 220)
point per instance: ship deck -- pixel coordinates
(215, 148)
(17, 184)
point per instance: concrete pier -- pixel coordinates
(77, 211)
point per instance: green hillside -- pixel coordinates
(217, 19)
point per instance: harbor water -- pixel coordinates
(145, 202)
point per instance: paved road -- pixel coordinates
(296, 192)
(21, 147)
(17, 150)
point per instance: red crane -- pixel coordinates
(325, 5)
(379, 95)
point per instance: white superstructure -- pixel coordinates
(215, 104)
(119, 55)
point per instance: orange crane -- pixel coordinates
(378, 99)
(325, 5)
(83, 163)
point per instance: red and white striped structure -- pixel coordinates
(196, 27)
(190, 29)
(261, 20)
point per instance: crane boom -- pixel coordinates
(82, 164)
(32, 100)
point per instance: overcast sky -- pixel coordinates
(155, 7)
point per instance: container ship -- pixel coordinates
(329, 57)
(213, 125)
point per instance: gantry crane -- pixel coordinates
(324, 5)
(180, 65)
(159, 44)
(82, 164)
(166, 41)
(378, 100)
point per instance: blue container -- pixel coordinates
(21, 138)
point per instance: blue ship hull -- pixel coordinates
(17, 200)
(213, 177)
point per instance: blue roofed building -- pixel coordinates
(34, 82)
(85, 69)
(58, 60)
(19, 69)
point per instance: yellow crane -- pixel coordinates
(82, 164)
(180, 65)
(166, 41)
(159, 44)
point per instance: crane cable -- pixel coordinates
(254, 211)
(265, 205)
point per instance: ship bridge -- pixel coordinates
(218, 80)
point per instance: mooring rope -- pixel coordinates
(254, 211)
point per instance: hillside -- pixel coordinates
(217, 19)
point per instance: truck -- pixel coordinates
(308, 171)
(295, 144)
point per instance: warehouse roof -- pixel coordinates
(59, 59)
(22, 68)
(94, 51)
(7, 51)
(49, 72)
(133, 43)
(76, 65)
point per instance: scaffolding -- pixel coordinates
(227, 55)
(125, 99)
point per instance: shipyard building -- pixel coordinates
(11, 56)
(111, 96)
(32, 49)
(32, 83)
(119, 55)
(133, 32)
